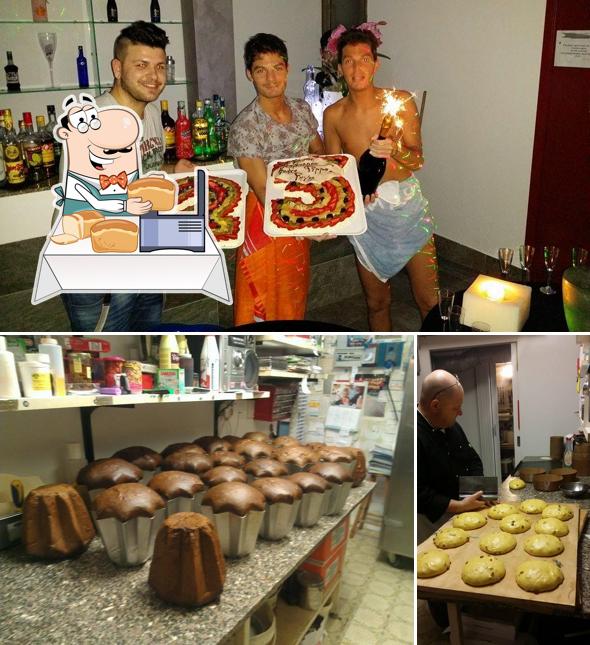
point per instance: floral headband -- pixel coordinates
(332, 44)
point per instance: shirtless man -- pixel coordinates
(399, 225)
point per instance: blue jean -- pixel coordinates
(128, 311)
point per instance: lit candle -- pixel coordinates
(493, 290)
(503, 305)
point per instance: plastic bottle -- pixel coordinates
(187, 363)
(51, 347)
(35, 375)
(168, 353)
(9, 388)
(209, 364)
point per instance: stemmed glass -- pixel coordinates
(579, 256)
(445, 304)
(48, 42)
(526, 252)
(505, 257)
(550, 253)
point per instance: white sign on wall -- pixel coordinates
(572, 49)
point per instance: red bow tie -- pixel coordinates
(111, 180)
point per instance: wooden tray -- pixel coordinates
(449, 585)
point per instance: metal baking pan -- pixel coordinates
(471, 484)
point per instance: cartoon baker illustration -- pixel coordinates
(102, 158)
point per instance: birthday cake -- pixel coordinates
(314, 192)
(224, 197)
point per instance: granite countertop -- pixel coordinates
(507, 495)
(89, 599)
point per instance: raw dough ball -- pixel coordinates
(561, 511)
(483, 570)
(543, 545)
(469, 521)
(432, 563)
(497, 542)
(532, 506)
(515, 523)
(516, 484)
(551, 526)
(500, 511)
(450, 538)
(538, 575)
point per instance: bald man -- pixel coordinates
(444, 454)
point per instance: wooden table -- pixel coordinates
(450, 588)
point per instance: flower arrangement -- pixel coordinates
(328, 77)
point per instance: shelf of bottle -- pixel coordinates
(79, 22)
(69, 88)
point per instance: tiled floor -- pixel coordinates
(352, 312)
(376, 604)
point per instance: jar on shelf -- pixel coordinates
(79, 371)
(113, 368)
(133, 371)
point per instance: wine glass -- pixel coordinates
(579, 256)
(526, 252)
(445, 303)
(550, 253)
(505, 257)
(48, 42)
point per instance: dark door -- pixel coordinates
(559, 199)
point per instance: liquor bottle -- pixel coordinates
(221, 126)
(15, 166)
(33, 152)
(57, 144)
(200, 129)
(82, 66)
(170, 69)
(112, 12)
(212, 148)
(47, 148)
(184, 148)
(12, 82)
(155, 11)
(311, 90)
(2, 144)
(20, 135)
(169, 134)
(371, 168)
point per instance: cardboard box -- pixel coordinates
(337, 536)
(173, 379)
(330, 568)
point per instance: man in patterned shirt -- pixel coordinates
(272, 274)
(139, 70)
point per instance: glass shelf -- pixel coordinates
(63, 88)
(70, 88)
(80, 22)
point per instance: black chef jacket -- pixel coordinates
(443, 455)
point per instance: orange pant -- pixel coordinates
(272, 274)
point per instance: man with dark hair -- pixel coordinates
(399, 226)
(272, 274)
(139, 70)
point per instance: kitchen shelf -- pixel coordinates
(294, 621)
(286, 374)
(101, 400)
(295, 345)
